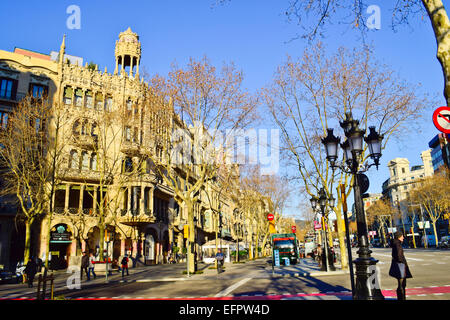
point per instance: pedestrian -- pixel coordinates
(399, 267)
(124, 264)
(85, 266)
(31, 270)
(91, 265)
(319, 255)
(219, 258)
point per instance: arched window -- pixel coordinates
(94, 129)
(74, 160)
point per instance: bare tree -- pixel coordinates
(199, 104)
(312, 93)
(31, 153)
(433, 194)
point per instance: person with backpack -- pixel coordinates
(124, 264)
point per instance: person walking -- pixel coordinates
(31, 270)
(219, 258)
(399, 267)
(124, 264)
(85, 266)
(91, 265)
(319, 255)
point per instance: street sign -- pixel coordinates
(276, 257)
(420, 224)
(317, 225)
(392, 230)
(363, 182)
(294, 228)
(441, 119)
(270, 217)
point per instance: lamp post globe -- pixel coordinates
(331, 143)
(374, 140)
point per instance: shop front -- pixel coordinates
(60, 246)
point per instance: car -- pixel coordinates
(444, 242)
(7, 277)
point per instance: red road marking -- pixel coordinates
(386, 293)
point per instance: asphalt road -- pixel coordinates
(254, 280)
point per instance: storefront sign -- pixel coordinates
(60, 235)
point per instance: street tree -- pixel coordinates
(380, 214)
(316, 15)
(314, 92)
(31, 153)
(433, 194)
(203, 108)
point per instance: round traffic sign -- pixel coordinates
(294, 228)
(441, 119)
(270, 217)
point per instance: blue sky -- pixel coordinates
(254, 34)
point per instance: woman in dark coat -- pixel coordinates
(399, 267)
(30, 271)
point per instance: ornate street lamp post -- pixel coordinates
(367, 286)
(321, 202)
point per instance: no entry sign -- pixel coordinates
(294, 228)
(270, 217)
(441, 119)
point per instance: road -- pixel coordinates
(254, 280)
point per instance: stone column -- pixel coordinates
(80, 205)
(94, 206)
(131, 66)
(66, 199)
(150, 199)
(122, 246)
(142, 200)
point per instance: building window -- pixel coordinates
(3, 119)
(403, 170)
(78, 98)
(85, 161)
(74, 161)
(68, 94)
(38, 91)
(94, 161)
(89, 100)
(128, 165)
(127, 133)
(108, 104)
(6, 86)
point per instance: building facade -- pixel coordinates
(440, 151)
(104, 178)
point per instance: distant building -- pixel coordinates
(440, 151)
(370, 198)
(403, 178)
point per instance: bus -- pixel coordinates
(286, 244)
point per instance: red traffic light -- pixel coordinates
(270, 217)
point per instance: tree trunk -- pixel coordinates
(435, 232)
(341, 236)
(27, 250)
(441, 26)
(191, 237)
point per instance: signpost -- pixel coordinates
(294, 229)
(441, 119)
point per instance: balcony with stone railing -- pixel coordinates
(130, 147)
(136, 217)
(85, 141)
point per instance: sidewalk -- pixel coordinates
(305, 268)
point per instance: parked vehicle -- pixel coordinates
(444, 242)
(20, 269)
(7, 277)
